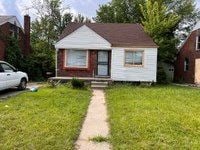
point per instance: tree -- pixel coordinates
(120, 11)
(128, 11)
(50, 22)
(81, 19)
(13, 52)
(160, 24)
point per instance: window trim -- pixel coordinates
(75, 67)
(197, 42)
(133, 50)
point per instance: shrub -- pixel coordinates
(76, 83)
(161, 75)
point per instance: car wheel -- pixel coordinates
(22, 85)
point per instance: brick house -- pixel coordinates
(10, 26)
(187, 65)
(118, 52)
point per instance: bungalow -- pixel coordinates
(120, 52)
(187, 65)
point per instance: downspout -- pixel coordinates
(56, 62)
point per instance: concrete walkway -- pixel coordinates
(95, 124)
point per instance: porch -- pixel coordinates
(81, 78)
(94, 82)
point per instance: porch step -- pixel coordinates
(99, 84)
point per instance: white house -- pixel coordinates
(119, 52)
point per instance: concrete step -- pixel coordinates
(99, 84)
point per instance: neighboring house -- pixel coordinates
(10, 26)
(121, 52)
(187, 65)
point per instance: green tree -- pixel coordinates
(159, 23)
(45, 31)
(128, 11)
(13, 52)
(120, 11)
(81, 19)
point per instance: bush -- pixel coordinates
(161, 75)
(76, 83)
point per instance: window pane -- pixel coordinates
(76, 58)
(102, 70)
(1, 69)
(137, 58)
(133, 57)
(129, 58)
(198, 46)
(103, 56)
(186, 64)
(6, 68)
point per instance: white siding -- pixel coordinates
(147, 73)
(83, 38)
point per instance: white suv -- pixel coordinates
(11, 77)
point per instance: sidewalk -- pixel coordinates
(95, 124)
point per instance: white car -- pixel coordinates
(11, 77)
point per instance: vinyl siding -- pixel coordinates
(83, 38)
(147, 73)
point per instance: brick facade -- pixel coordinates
(77, 72)
(187, 51)
(23, 37)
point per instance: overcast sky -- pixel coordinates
(85, 7)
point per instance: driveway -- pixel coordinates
(14, 91)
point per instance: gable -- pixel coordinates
(83, 38)
(117, 34)
(10, 19)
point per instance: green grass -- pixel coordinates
(99, 139)
(160, 117)
(48, 119)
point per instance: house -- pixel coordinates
(10, 26)
(187, 65)
(120, 52)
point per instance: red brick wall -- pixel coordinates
(77, 72)
(4, 30)
(24, 41)
(187, 51)
(2, 48)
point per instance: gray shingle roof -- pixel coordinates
(4, 19)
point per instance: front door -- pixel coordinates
(103, 63)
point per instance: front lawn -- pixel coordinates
(160, 117)
(48, 119)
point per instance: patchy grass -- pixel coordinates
(99, 139)
(48, 119)
(160, 117)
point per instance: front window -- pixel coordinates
(186, 64)
(133, 58)
(198, 43)
(76, 58)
